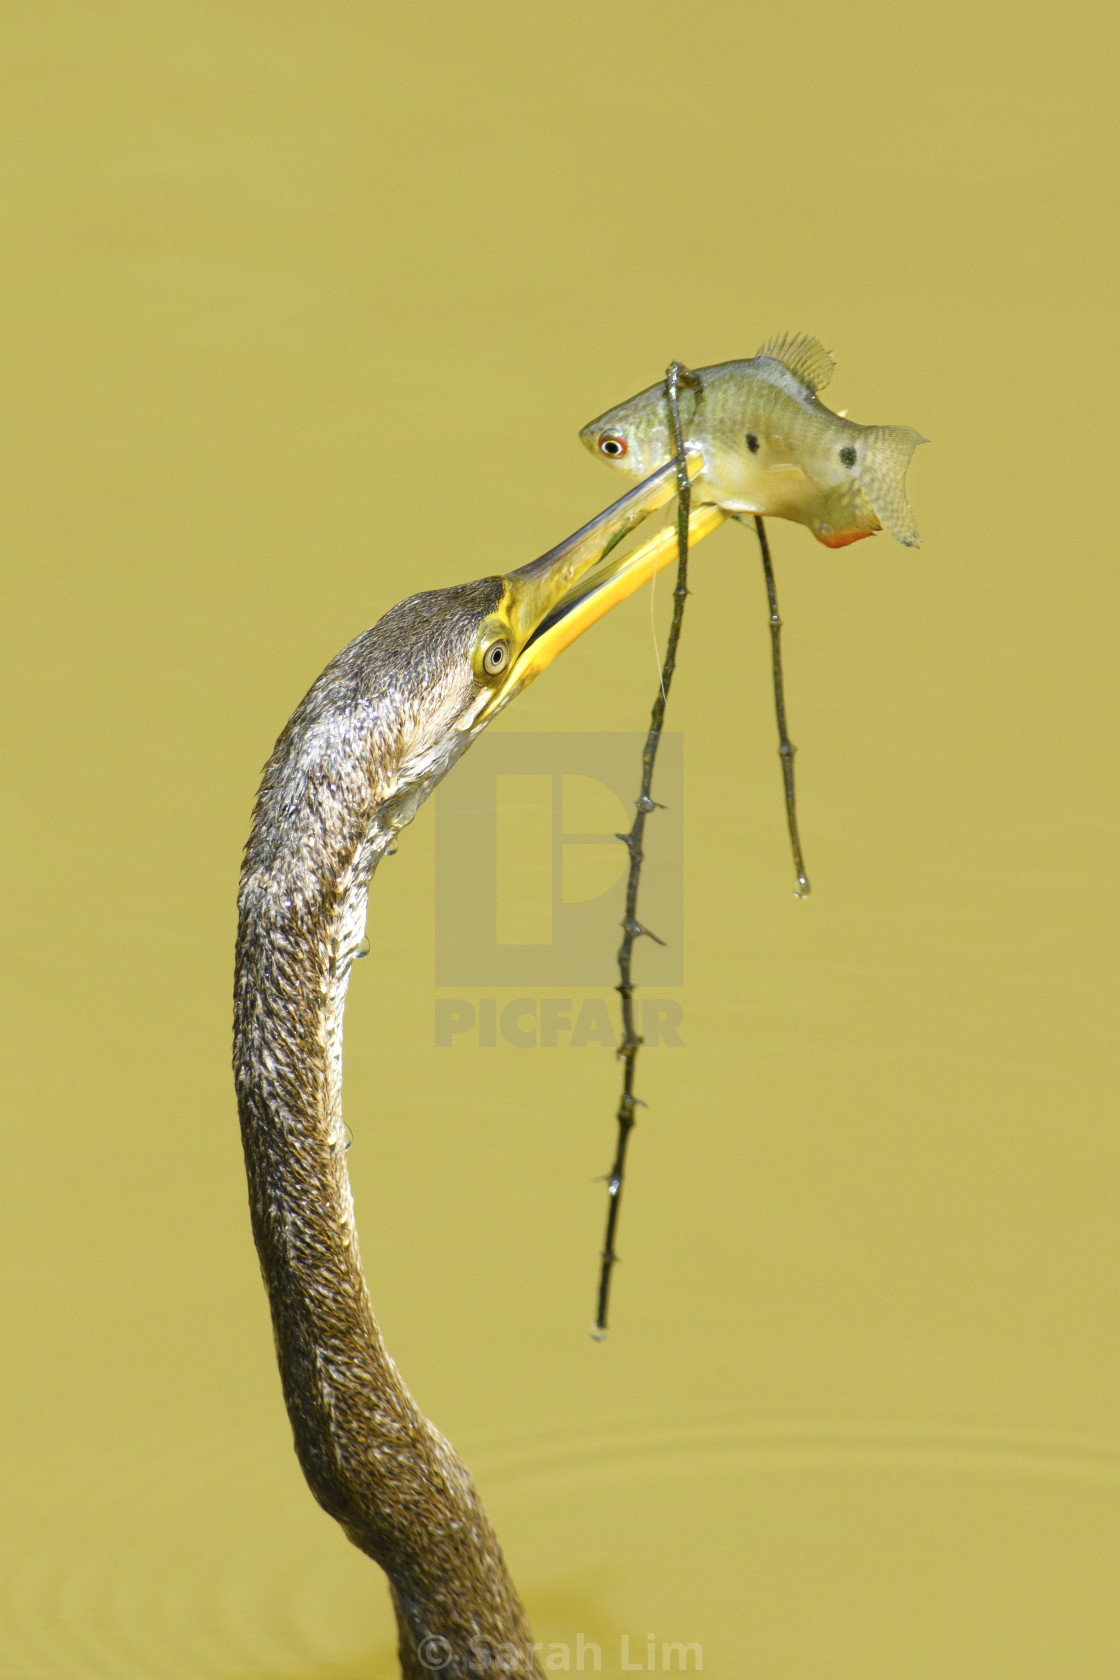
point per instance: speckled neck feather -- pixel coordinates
(360, 754)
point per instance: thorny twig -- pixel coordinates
(631, 927)
(786, 747)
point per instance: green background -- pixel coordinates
(303, 306)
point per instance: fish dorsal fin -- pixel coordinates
(805, 357)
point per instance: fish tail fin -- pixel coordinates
(884, 458)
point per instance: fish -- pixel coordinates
(770, 446)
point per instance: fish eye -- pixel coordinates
(613, 445)
(752, 443)
(848, 455)
(496, 658)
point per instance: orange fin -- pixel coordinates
(839, 537)
(805, 357)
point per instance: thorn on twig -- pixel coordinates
(637, 929)
(610, 1181)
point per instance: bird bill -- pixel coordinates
(551, 602)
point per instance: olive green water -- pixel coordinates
(303, 308)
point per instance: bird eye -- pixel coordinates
(495, 658)
(611, 445)
(752, 443)
(848, 455)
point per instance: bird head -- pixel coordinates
(391, 714)
(545, 606)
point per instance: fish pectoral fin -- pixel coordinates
(803, 356)
(788, 469)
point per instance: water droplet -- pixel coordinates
(362, 951)
(598, 1332)
(348, 1137)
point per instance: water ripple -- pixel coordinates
(766, 1446)
(209, 1560)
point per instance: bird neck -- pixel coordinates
(371, 1458)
